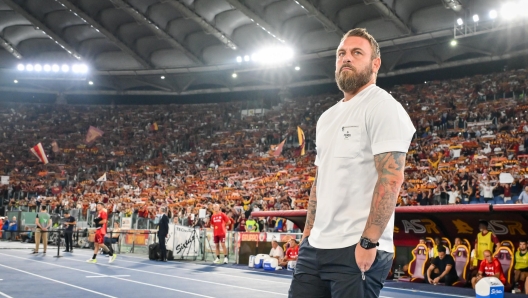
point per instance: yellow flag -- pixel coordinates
(300, 135)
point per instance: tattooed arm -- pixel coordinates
(312, 206)
(390, 167)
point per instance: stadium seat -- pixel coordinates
(417, 266)
(445, 241)
(505, 256)
(391, 273)
(474, 202)
(467, 243)
(508, 244)
(499, 200)
(461, 256)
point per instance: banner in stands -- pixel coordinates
(185, 241)
(426, 222)
(481, 123)
(126, 223)
(5, 180)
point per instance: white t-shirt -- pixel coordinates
(277, 252)
(348, 136)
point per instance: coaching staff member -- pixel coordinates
(361, 145)
(69, 222)
(163, 230)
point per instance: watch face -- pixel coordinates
(364, 243)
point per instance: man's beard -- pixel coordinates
(351, 81)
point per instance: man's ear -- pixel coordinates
(376, 64)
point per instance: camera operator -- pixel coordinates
(69, 224)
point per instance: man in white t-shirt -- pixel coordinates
(361, 142)
(276, 250)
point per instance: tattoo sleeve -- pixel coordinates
(312, 206)
(390, 167)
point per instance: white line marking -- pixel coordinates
(96, 276)
(118, 278)
(215, 273)
(186, 278)
(427, 292)
(5, 295)
(57, 281)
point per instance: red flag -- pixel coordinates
(39, 153)
(93, 134)
(277, 150)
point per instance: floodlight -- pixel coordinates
(454, 43)
(493, 14)
(38, 67)
(75, 68)
(274, 55)
(239, 59)
(460, 22)
(47, 68)
(163, 77)
(234, 75)
(90, 83)
(15, 81)
(21, 67)
(65, 68)
(475, 18)
(297, 68)
(83, 68)
(246, 58)
(55, 68)
(29, 67)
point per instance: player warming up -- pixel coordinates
(220, 221)
(100, 224)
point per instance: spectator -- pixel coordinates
(523, 198)
(5, 228)
(442, 268)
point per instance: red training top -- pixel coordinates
(219, 222)
(102, 215)
(292, 253)
(490, 269)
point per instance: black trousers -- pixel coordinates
(447, 280)
(322, 273)
(68, 238)
(163, 248)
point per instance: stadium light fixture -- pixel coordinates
(454, 43)
(29, 67)
(15, 81)
(460, 22)
(90, 83)
(163, 77)
(493, 14)
(47, 68)
(55, 68)
(234, 75)
(274, 55)
(475, 18)
(38, 67)
(65, 68)
(246, 58)
(21, 67)
(297, 68)
(239, 59)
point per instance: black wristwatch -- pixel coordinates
(367, 244)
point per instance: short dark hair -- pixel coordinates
(441, 248)
(66, 211)
(483, 222)
(362, 32)
(523, 240)
(43, 207)
(100, 203)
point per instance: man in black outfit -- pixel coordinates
(163, 230)
(69, 223)
(442, 268)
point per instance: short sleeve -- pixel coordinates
(37, 215)
(389, 127)
(450, 261)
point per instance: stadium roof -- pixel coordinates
(180, 47)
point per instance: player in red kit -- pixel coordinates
(291, 254)
(219, 223)
(100, 225)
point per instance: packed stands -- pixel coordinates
(468, 132)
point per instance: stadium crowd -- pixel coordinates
(188, 157)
